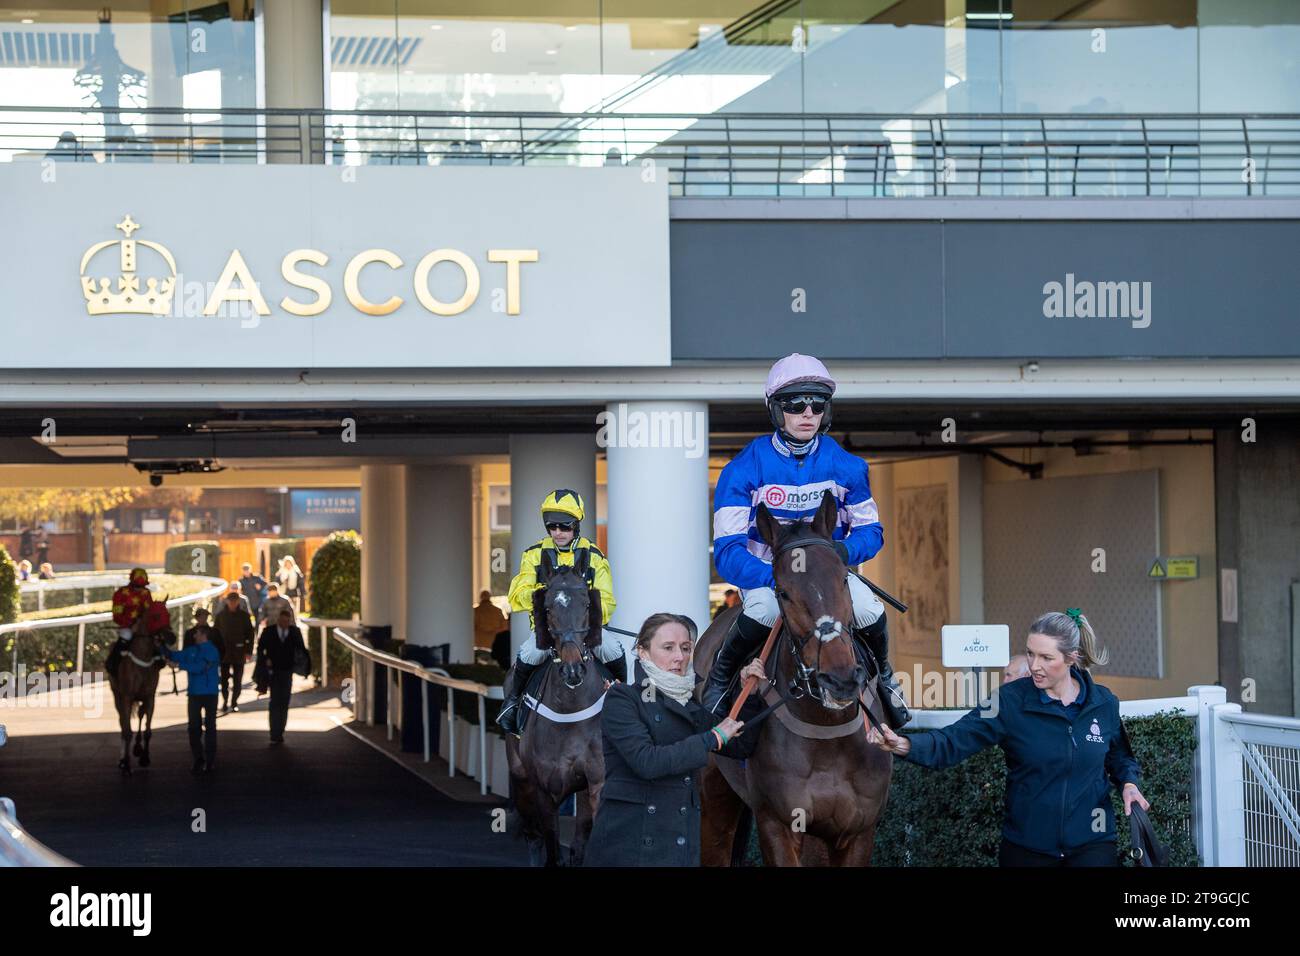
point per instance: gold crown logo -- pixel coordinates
(103, 299)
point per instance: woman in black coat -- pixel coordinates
(657, 738)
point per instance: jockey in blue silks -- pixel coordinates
(789, 471)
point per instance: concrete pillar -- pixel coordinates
(659, 521)
(377, 507)
(293, 65)
(538, 465)
(970, 539)
(1256, 513)
(439, 569)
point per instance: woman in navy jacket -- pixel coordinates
(1062, 738)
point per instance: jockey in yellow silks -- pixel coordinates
(564, 545)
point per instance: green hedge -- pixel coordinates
(10, 605)
(181, 558)
(334, 588)
(953, 817)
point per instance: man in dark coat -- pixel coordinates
(235, 625)
(277, 648)
(655, 747)
(253, 586)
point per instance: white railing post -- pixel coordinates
(424, 715)
(1203, 811)
(324, 655)
(482, 745)
(451, 732)
(1229, 809)
(81, 645)
(388, 693)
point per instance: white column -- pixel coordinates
(659, 521)
(376, 552)
(439, 568)
(539, 464)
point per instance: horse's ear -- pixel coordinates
(823, 523)
(768, 526)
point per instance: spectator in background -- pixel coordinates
(235, 588)
(47, 572)
(237, 634)
(277, 649)
(254, 587)
(24, 570)
(25, 549)
(488, 621)
(201, 624)
(1016, 668)
(730, 598)
(42, 547)
(273, 605)
(293, 583)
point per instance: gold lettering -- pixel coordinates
(236, 268)
(305, 280)
(422, 282)
(512, 258)
(353, 273)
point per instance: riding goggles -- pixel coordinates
(795, 404)
(561, 525)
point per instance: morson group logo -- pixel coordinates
(775, 497)
(124, 295)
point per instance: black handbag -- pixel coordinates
(261, 675)
(301, 661)
(1144, 848)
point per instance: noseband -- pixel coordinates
(804, 676)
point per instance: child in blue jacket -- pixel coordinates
(202, 661)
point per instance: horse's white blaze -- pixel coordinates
(562, 599)
(825, 633)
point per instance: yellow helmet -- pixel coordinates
(562, 501)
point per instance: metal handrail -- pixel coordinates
(20, 848)
(81, 620)
(728, 154)
(426, 676)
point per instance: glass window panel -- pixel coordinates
(111, 60)
(1110, 56)
(917, 56)
(1250, 56)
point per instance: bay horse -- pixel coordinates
(560, 752)
(812, 774)
(135, 681)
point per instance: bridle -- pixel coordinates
(576, 634)
(802, 684)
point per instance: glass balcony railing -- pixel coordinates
(720, 155)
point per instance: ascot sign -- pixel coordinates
(172, 266)
(125, 296)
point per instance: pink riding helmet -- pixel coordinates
(797, 368)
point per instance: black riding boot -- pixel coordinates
(617, 668)
(876, 637)
(744, 639)
(516, 681)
